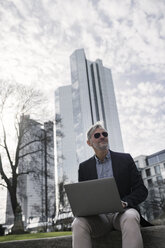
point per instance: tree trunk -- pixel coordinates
(18, 227)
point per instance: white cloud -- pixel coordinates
(51, 30)
(152, 7)
(116, 9)
(37, 38)
(142, 118)
(134, 34)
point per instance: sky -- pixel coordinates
(38, 36)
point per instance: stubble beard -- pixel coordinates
(101, 147)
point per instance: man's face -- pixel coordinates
(98, 140)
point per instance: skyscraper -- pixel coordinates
(93, 100)
(65, 135)
(90, 98)
(36, 189)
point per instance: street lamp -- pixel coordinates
(46, 186)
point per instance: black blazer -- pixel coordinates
(128, 179)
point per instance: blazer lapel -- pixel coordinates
(93, 171)
(114, 164)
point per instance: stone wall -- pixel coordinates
(154, 237)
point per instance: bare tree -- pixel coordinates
(16, 101)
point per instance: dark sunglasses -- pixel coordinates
(97, 135)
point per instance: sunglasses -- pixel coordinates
(97, 135)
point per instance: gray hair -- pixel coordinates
(93, 128)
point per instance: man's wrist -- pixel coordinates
(125, 204)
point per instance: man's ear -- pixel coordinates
(88, 142)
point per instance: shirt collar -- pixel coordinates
(108, 156)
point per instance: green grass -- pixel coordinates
(32, 236)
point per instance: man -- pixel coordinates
(107, 163)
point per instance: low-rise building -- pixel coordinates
(152, 169)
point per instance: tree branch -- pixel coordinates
(6, 147)
(25, 173)
(29, 153)
(2, 146)
(4, 177)
(30, 142)
(3, 185)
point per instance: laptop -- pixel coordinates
(94, 197)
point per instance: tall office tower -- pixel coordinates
(90, 98)
(93, 100)
(65, 135)
(36, 189)
(66, 164)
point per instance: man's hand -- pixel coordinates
(124, 204)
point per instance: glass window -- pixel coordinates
(148, 172)
(162, 156)
(153, 160)
(159, 179)
(149, 182)
(157, 169)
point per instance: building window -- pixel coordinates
(148, 172)
(149, 182)
(153, 160)
(162, 156)
(157, 169)
(159, 179)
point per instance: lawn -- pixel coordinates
(32, 236)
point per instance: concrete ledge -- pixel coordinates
(153, 237)
(57, 242)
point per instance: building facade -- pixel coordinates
(152, 169)
(65, 136)
(36, 181)
(93, 100)
(90, 98)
